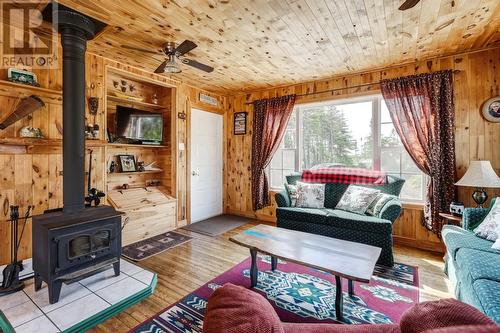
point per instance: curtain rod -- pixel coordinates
(343, 88)
(332, 90)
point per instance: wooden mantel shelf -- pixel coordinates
(45, 142)
(13, 89)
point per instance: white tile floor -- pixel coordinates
(30, 311)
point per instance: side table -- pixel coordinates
(452, 219)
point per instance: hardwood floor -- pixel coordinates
(192, 264)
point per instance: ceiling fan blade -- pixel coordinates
(198, 65)
(408, 4)
(161, 68)
(185, 47)
(139, 49)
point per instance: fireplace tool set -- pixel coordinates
(94, 195)
(11, 283)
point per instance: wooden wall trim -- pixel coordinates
(419, 244)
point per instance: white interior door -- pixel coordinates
(206, 165)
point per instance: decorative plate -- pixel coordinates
(491, 109)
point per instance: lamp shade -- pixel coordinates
(480, 174)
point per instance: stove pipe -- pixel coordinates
(75, 30)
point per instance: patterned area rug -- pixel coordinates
(149, 247)
(300, 294)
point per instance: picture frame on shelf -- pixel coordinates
(127, 163)
(23, 77)
(240, 123)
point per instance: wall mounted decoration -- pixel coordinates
(93, 105)
(25, 107)
(491, 109)
(20, 76)
(240, 123)
(127, 163)
(207, 99)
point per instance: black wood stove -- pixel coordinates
(75, 241)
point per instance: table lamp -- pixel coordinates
(480, 175)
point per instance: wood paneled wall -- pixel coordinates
(31, 175)
(476, 79)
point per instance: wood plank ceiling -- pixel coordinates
(261, 43)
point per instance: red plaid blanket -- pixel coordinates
(344, 175)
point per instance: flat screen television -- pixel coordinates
(139, 125)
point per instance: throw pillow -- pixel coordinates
(310, 195)
(376, 206)
(291, 190)
(487, 228)
(496, 245)
(357, 199)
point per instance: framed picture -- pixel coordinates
(240, 123)
(491, 110)
(127, 163)
(20, 76)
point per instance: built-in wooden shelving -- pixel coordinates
(149, 210)
(45, 142)
(14, 85)
(122, 100)
(12, 89)
(135, 173)
(125, 145)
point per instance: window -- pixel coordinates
(357, 132)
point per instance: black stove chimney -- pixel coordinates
(75, 30)
(75, 242)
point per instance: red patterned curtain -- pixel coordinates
(423, 114)
(270, 118)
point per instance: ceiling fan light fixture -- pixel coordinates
(171, 66)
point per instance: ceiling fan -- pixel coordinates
(408, 4)
(173, 53)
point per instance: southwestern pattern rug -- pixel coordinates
(152, 246)
(299, 294)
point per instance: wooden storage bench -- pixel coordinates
(148, 212)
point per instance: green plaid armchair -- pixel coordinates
(371, 230)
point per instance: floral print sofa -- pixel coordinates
(328, 221)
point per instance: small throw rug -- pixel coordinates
(300, 294)
(217, 225)
(152, 246)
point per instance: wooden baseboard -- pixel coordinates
(419, 244)
(265, 218)
(182, 223)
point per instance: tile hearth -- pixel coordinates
(82, 304)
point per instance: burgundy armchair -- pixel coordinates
(234, 309)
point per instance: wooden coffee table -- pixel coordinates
(344, 259)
